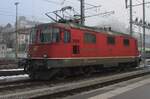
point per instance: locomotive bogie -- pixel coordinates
(39, 68)
(56, 63)
(51, 67)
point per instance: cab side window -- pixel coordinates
(89, 38)
(33, 35)
(45, 35)
(111, 40)
(67, 36)
(56, 35)
(126, 42)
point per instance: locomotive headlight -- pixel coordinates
(45, 55)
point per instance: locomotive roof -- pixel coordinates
(83, 27)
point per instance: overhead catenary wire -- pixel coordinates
(141, 2)
(53, 2)
(9, 15)
(104, 13)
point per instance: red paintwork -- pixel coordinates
(100, 49)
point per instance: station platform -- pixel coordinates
(135, 89)
(142, 92)
(138, 90)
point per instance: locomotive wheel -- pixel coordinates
(61, 75)
(88, 71)
(32, 76)
(122, 67)
(26, 69)
(135, 64)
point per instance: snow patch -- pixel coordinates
(20, 69)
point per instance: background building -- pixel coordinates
(8, 37)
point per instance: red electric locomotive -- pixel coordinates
(58, 49)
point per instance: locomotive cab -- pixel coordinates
(49, 43)
(46, 40)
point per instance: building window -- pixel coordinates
(76, 49)
(67, 36)
(126, 42)
(89, 38)
(111, 40)
(3, 47)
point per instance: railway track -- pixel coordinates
(41, 89)
(10, 72)
(8, 64)
(9, 80)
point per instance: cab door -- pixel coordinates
(67, 43)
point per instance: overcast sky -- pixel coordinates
(35, 9)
